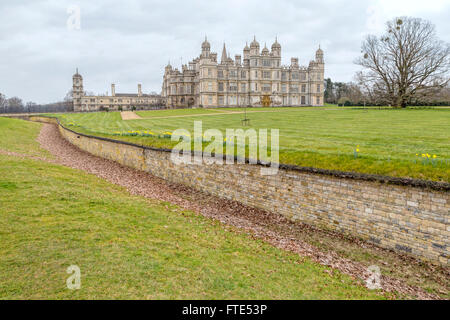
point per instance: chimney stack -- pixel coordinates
(139, 90)
(237, 59)
(113, 89)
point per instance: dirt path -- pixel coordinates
(223, 110)
(130, 115)
(270, 227)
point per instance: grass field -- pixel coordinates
(403, 143)
(130, 247)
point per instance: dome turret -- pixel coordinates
(206, 47)
(77, 75)
(246, 51)
(276, 48)
(254, 47)
(276, 45)
(205, 44)
(319, 51)
(265, 51)
(319, 55)
(168, 67)
(254, 44)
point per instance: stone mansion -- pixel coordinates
(116, 101)
(258, 79)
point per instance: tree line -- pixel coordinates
(16, 105)
(353, 94)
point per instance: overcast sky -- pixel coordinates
(130, 42)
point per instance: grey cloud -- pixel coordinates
(129, 42)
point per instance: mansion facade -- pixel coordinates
(116, 101)
(256, 80)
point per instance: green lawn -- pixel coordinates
(130, 247)
(390, 141)
(175, 112)
(21, 138)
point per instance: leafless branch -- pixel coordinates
(407, 63)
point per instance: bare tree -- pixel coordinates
(15, 105)
(69, 96)
(30, 106)
(406, 63)
(374, 92)
(2, 103)
(68, 100)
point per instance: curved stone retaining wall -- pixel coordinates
(409, 216)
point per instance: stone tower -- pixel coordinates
(276, 48)
(319, 56)
(206, 47)
(207, 73)
(254, 47)
(316, 73)
(77, 91)
(246, 52)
